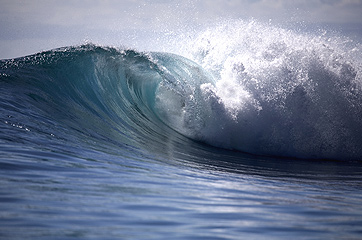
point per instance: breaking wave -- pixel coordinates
(246, 86)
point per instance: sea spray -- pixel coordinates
(279, 92)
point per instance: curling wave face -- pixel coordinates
(107, 99)
(254, 88)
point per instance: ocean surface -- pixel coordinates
(242, 131)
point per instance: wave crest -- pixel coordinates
(281, 92)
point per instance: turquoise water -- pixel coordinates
(255, 138)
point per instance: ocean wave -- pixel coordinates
(250, 87)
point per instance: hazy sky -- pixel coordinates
(30, 26)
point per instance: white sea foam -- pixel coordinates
(277, 91)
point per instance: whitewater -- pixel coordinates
(277, 92)
(240, 130)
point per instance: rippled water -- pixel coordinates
(207, 195)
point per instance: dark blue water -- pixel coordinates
(256, 138)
